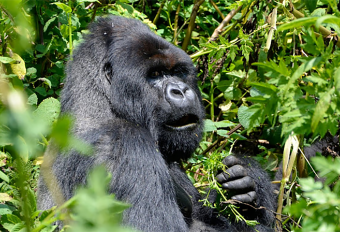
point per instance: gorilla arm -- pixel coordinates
(140, 177)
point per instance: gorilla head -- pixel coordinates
(146, 81)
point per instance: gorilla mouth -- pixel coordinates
(187, 122)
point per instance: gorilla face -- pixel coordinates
(153, 85)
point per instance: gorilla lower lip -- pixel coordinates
(186, 122)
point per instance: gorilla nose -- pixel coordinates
(179, 94)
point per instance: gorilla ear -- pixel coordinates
(108, 72)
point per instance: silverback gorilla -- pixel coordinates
(135, 99)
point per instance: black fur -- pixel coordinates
(135, 99)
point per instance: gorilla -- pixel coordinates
(135, 98)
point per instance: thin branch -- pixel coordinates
(176, 23)
(224, 23)
(216, 8)
(158, 12)
(221, 139)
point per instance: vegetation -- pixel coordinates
(269, 73)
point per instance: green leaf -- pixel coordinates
(7, 60)
(96, 210)
(297, 23)
(18, 68)
(5, 209)
(311, 5)
(62, 6)
(320, 109)
(47, 24)
(41, 91)
(301, 70)
(224, 123)
(4, 176)
(309, 184)
(240, 74)
(46, 81)
(31, 200)
(297, 208)
(264, 88)
(44, 49)
(245, 115)
(232, 93)
(238, 136)
(8, 221)
(80, 1)
(222, 132)
(223, 85)
(337, 79)
(31, 71)
(328, 19)
(32, 99)
(246, 51)
(209, 125)
(233, 52)
(49, 228)
(47, 111)
(316, 79)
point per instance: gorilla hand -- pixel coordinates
(235, 178)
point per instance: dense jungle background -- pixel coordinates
(269, 74)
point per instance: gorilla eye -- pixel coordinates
(108, 72)
(156, 74)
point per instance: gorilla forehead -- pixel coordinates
(138, 47)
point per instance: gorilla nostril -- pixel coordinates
(176, 92)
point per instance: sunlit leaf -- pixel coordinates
(7, 60)
(297, 23)
(18, 67)
(320, 109)
(311, 5)
(48, 110)
(63, 6)
(328, 19)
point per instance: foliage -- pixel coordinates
(259, 86)
(321, 201)
(103, 213)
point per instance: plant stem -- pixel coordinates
(191, 24)
(212, 113)
(176, 23)
(158, 12)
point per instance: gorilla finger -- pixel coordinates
(246, 198)
(231, 161)
(240, 184)
(231, 173)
